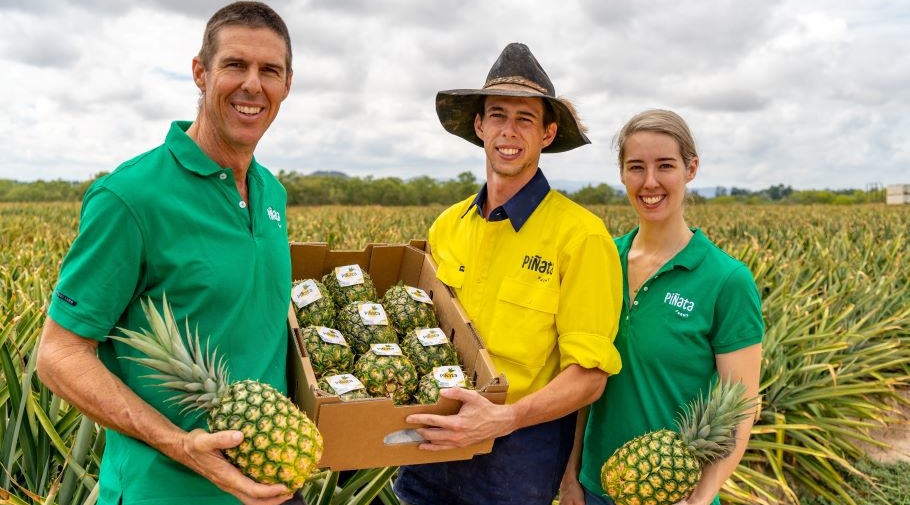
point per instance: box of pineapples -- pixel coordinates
(374, 337)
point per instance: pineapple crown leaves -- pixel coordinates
(199, 375)
(708, 425)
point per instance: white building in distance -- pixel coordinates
(898, 194)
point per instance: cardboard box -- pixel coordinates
(355, 432)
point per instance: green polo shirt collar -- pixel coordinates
(689, 258)
(187, 151)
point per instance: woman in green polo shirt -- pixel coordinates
(690, 314)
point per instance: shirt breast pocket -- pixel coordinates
(526, 316)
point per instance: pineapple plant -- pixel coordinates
(327, 349)
(281, 445)
(344, 385)
(313, 303)
(438, 378)
(662, 467)
(408, 308)
(386, 372)
(349, 284)
(365, 323)
(428, 348)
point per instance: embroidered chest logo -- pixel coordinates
(684, 306)
(274, 216)
(539, 265)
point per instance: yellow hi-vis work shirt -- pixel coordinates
(543, 297)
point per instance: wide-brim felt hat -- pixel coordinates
(515, 73)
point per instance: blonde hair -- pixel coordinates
(660, 121)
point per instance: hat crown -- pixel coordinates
(516, 73)
(516, 65)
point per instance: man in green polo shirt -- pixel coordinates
(199, 219)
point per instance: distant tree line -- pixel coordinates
(781, 194)
(334, 188)
(322, 188)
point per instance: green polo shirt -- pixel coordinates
(171, 221)
(701, 303)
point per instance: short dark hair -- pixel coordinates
(247, 14)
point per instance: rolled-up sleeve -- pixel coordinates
(589, 304)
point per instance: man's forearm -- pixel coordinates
(574, 388)
(69, 366)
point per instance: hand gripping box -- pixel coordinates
(368, 433)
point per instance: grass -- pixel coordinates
(890, 485)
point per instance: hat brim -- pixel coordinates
(457, 108)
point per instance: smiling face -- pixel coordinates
(655, 175)
(513, 134)
(242, 89)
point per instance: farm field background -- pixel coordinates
(836, 302)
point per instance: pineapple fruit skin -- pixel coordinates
(360, 335)
(343, 295)
(387, 376)
(425, 358)
(319, 313)
(406, 313)
(323, 355)
(662, 467)
(357, 394)
(280, 444)
(427, 390)
(653, 469)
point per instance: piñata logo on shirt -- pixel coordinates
(683, 305)
(537, 264)
(274, 215)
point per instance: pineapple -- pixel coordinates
(428, 348)
(343, 385)
(386, 372)
(365, 323)
(408, 308)
(662, 467)
(281, 445)
(313, 304)
(438, 378)
(349, 284)
(327, 349)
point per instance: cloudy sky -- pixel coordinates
(810, 93)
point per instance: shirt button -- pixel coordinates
(646, 288)
(635, 302)
(223, 176)
(242, 204)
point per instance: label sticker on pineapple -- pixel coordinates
(372, 314)
(330, 335)
(344, 383)
(431, 336)
(418, 295)
(305, 293)
(449, 376)
(349, 275)
(386, 349)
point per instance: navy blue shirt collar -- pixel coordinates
(520, 207)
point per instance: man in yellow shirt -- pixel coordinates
(540, 278)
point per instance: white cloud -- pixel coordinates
(808, 93)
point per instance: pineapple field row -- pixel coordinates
(836, 356)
